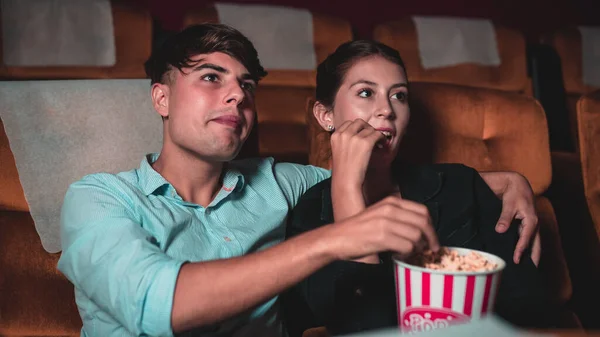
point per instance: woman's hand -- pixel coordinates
(351, 148)
(517, 203)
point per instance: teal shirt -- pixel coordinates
(125, 236)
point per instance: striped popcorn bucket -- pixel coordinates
(429, 299)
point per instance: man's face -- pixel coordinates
(209, 108)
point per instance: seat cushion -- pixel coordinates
(511, 75)
(36, 299)
(328, 33)
(567, 43)
(133, 44)
(282, 123)
(588, 119)
(552, 263)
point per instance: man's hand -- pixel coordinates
(517, 203)
(392, 224)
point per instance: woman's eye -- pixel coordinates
(210, 77)
(365, 93)
(401, 96)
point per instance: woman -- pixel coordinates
(362, 98)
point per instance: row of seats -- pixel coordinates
(286, 90)
(510, 136)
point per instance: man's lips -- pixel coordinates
(234, 122)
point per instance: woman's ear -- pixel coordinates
(323, 115)
(160, 99)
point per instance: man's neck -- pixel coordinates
(195, 180)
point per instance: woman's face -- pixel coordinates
(375, 90)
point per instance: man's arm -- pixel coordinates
(228, 287)
(117, 265)
(522, 298)
(209, 292)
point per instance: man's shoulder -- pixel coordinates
(281, 170)
(122, 182)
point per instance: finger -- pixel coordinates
(413, 206)
(372, 136)
(529, 228)
(536, 249)
(357, 126)
(417, 219)
(506, 217)
(400, 245)
(428, 229)
(343, 127)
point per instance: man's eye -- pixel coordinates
(210, 77)
(365, 93)
(248, 86)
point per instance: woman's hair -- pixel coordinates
(332, 71)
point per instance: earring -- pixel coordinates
(330, 128)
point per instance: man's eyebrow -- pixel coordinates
(211, 66)
(247, 76)
(244, 77)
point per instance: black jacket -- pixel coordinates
(347, 296)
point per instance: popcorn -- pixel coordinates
(450, 260)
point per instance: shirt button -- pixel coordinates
(207, 211)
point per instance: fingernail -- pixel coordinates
(501, 227)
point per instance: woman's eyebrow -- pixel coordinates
(363, 82)
(400, 85)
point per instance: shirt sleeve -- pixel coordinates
(295, 179)
(113, 261)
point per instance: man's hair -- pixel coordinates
(178, 50)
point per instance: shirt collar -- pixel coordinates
(151, 181)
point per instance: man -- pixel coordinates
(191, 241)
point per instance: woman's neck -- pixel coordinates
(379, 183)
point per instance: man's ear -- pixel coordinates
(323, 115)
(160, 99)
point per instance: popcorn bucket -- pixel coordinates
(429, 299)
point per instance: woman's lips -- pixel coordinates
(389, 134)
